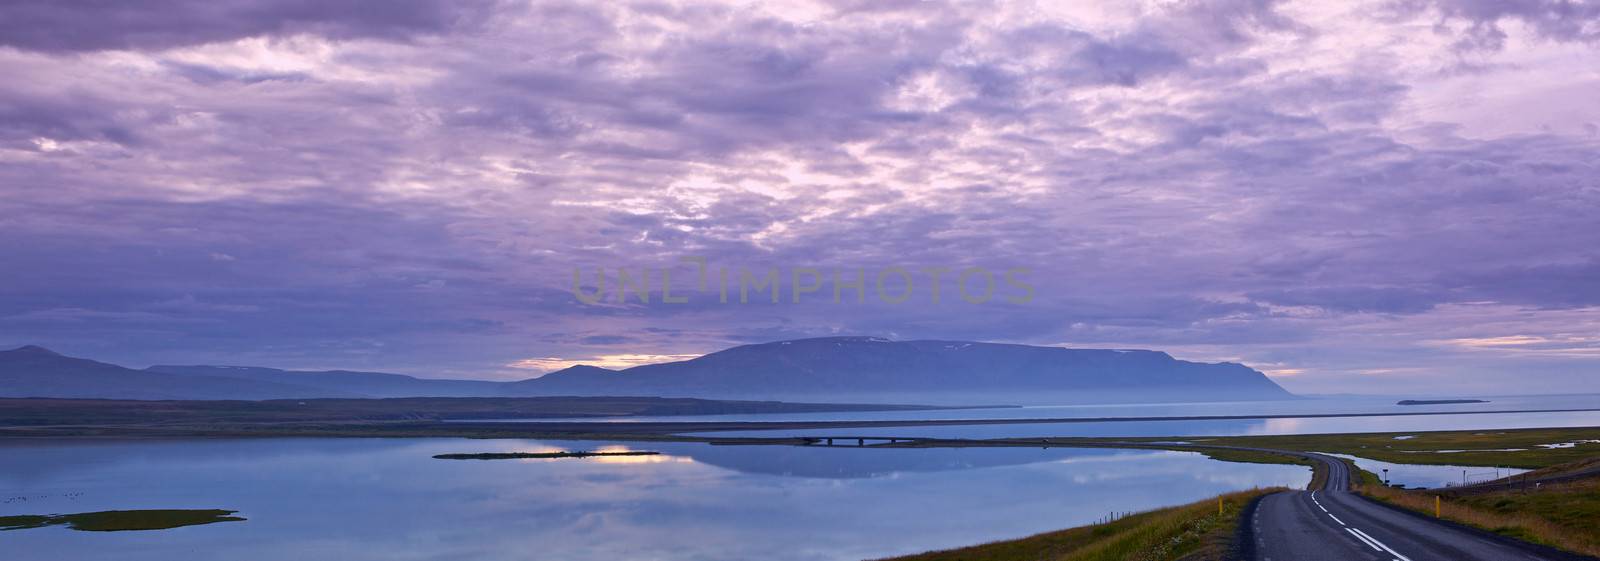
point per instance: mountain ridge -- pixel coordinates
(850, 369)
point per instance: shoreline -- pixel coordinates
(156, 426)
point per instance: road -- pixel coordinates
(1334, 524)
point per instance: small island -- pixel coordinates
(1438, 401)
(538, 455)
(120, 520)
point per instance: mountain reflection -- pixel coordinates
(853, 463)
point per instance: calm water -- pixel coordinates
(1414, 475)
(1307, 406)
(1321, 425)
(358, 499)
(1454, 417)
(384, 499)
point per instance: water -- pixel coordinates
(1307, 406)
(357, 499)
(1229, 427)
(1428, 476)
(1389, 417)
(1383, 416)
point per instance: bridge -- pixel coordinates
(853, 441)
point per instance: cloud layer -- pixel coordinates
(1352, 196)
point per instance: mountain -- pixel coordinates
(871, 368)
(834, 369)
(38, 372)
(364, 384)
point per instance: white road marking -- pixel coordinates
(1382, 545)
(1361, 536)
(1363, 540)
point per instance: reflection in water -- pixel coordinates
(848, 463)
(1316, 425)
(1306, 406)
(387, 499)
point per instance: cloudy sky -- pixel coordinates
(1351, 196)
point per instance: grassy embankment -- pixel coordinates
(1518, 448)
(1560, 515)
(1192, 532)
(1318, 474)
(120, 520)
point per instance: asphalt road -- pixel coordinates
(1336, 525)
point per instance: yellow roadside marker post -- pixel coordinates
(1219, 506)
(1436, 506)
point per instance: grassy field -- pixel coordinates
(120, 520)
(1193, 532)
(1478, 448)
(1560, 515)
(1318, 474)
(1570, 509)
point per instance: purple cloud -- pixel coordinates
(43, 25)
(1297, 186)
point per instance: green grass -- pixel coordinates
(1572, 507)
(538, 455)
(1192, 532)
(1360, 477)
(1482, 446)
(1318, 473)
(1558, 515)
(120, 520)
(1561, 515)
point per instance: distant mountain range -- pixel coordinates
(836, 369)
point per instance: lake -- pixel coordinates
(1420, 476)
(1228, 427)
(1302, 406)
(1380, 415)
(357, 499)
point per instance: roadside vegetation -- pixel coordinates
(1192, 532)
(1518, 448)
(1560, 515)
(1319, 475)
(120, 520)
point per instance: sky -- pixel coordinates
(1353, 197)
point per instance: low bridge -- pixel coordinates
(854, 441)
